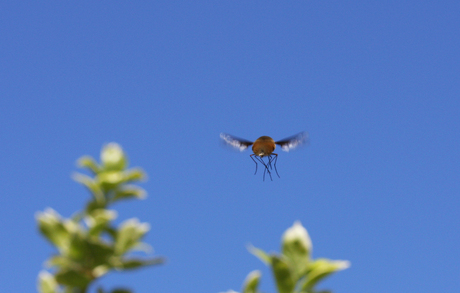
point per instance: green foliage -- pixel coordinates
(293, 270)
(47, 283)
(284, 277)
(89, 245)
(252, 282)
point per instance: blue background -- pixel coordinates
(375, 83)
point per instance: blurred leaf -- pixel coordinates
(320, 269)
(92, 186)
(94, 205)
(73, 278)
(101, 270)
(131, 192)
(129, 234)
(252, 282)
(47, 283)
(72, 226)
(110, 179)
(89, 163)
(259, 253)
(134, 174)
(142, 246)
(134, 263)
(52, 227)
(98, 219)
(283, 276)
(121, 291)
(77, 248)
(60, 261)
(88, 252)
(296, 247)
(113, 157)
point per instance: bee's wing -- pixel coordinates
(294, 141)
(235, 142)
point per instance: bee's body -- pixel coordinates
(264, 147)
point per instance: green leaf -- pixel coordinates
(127, 193)
(110, 179)
(89, 163)
(60, 261)
(113, 157)
(101, 270)
(296, 247)
(134, 174)
(73, 278)
(89, 253)
(135, 263)
(252, 282)
(77, 248)
(320, 269)
(52, 227)
(47, 283)
(98, 220)
(94, 205)
(92, 186)
(262, 255)
(283, 275)
(129, 234)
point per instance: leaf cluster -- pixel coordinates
(88, 244)
(293, 269)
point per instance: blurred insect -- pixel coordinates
(264, 147)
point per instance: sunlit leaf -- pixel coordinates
(113, 157)
(262, 255)
(52, 227)
(252, 282)
(98, 219)
(296, 247)
(283, 276)
(89, 163)
(134, 174)
(101, 270)
(321, 268)
(60, 261)
(47, 283)
(110, 179)
(129, 234)
(131, 192)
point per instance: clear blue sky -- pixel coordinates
(375, 83)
